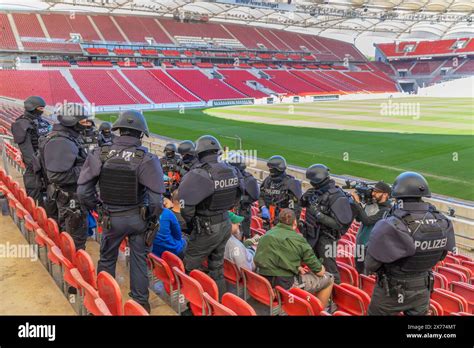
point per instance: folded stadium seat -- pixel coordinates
(133, 308)
(237, 305)
(466, 271)
(348, 274)
(261, 290)
(365, 296)
(64, 266)
(208, 284)
(256, 222)
(451, 259)
(173, 261)
(292, 304)
(468, 264)
(110, 292)
(350, 301)
(440, 281)
(450, 301)
(462, 314)
(31, 226)
(42, 240)
(85, 266)
(325, 314)
(367, 283)
(341, 314)
(215, 308)
(314, 302)
(460, 257)
(192, 290)
(52, 229)
(451, 274)
(90, 299)
(466, 291)
(435, 309)
(345, 257)
(162, 271)
(233, 275)
(68, 247)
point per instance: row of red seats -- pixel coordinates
(99, 295)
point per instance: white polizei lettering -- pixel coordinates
(431, 244)
(37, 331)
(225, 183)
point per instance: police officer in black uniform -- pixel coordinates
(62, 156)
(130, 200)
(172, 168)
(328, 216)
(188, 157)
(207, 192)
(404, 247)
(27, 130)
(90, 136)
(279, 190)
(251, 193)
(106, 137)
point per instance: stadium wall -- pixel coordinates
(460, 88)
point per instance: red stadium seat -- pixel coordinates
(345, 257)
(91, 300)
(314, 302)
(367, 283)
(465, 290)
(162, 271)
(435, 309)
(440, 281)
(256, 222)
(232, 274)
(451, 274)
(260, 289)
(53, 230)
(208, 284)
(237, 305)
(293, 305)
(450, 301)
(350, 301)
(66, 243)
(65, 266)
(451, 259)
(192, 290)
(348, 274)
(465, 270)
(364, 296)
(86, 267)
(341, 314)
(462, 314)
(468, 264)
(172, 260)
(133, 308)
(217, 309)
(110, 292)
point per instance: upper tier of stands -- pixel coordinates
(46, 29)
(427, 48)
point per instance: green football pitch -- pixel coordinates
(370, 139)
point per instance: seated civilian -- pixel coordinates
(280, 257)
(169, 236)
(176, 208)
(241, 254)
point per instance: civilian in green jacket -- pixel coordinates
(282, 254)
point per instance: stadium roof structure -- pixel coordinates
(362, 22)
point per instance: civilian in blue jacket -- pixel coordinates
(169, 237)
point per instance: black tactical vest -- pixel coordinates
(169, 164)
(40, 128)
(275, 192)
(118, 180)
(226, 184)
(429, 232)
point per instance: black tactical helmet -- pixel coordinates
(69, 114)
(277, 162)
(317, 173)
(33, 102)
(170, 148)
(207, 143)
(131, 119)
(105, 126)
(186, 147)
(410, 184)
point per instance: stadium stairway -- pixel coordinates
(26, 288)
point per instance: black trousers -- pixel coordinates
(325, 248)
(413, 302)
(32, 185)
(72, 218)
(210, 246)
